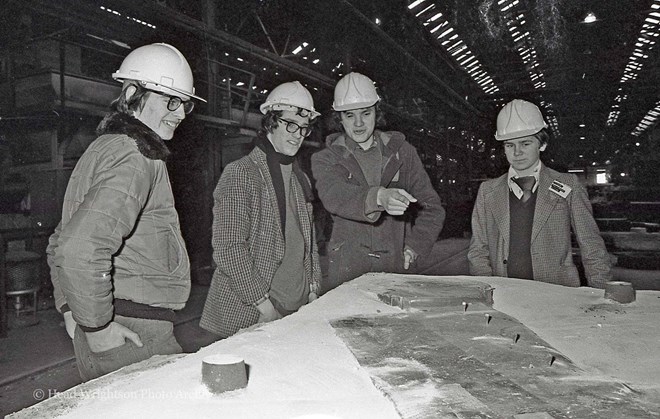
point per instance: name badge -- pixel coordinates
(560, 189)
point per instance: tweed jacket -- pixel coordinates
(364, 237)
(248, 244)
(554, 217)
(119, 236)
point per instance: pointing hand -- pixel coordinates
(394, 200)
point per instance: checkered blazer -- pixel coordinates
(248, 245)
(554, 217)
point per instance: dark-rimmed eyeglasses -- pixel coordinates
(174, 102)
(292, 127)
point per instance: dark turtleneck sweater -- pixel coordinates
(289, 290)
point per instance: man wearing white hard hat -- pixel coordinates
(386, 214)
(118, 263)
(522, 221)
(263, 236)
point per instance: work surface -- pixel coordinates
(395, 346)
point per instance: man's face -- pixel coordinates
(359, 124)
(523, 153)
(156, 116)
(285, 142)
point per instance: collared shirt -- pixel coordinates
(513, 186)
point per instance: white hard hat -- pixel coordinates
(287, 96)
(159, 67)
(354, 91)
(518, 119)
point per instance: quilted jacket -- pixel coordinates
(119, 236)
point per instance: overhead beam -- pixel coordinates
(206, 33)
(223, 38)
(187, 23)
(457, 99)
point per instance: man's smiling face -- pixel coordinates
(155, 115)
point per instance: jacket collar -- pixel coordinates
(546, 202)
(148, 142)
(391, 141)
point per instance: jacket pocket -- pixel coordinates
(112, 359)
(178, 254)
(163, 254)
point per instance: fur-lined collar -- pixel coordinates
(148, 142)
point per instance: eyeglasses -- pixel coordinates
(292, 127)
(174, 102)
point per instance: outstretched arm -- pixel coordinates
(341, 192)
(430, 215)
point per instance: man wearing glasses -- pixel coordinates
(267, 263)
(118, 262)
(385, 211)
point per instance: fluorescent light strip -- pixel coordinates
(415, 4)
(116, 13)
(452, 43)
(516, 23)
(648, 121)
(645, 42)
(423, 11)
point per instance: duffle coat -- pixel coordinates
(248, 243)
(364, 237)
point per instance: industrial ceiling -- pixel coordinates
(592, 65)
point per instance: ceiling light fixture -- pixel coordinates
(645, 42)
(431, 17)
(590, 18)
(516, 22)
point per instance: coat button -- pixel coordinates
(504, 261)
